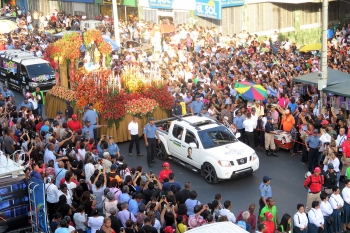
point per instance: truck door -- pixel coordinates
(175, 140)
(190, 154)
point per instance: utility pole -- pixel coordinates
(323, 75)
(115, 22)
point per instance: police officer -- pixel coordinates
(150, 133)
(330, 179)
(69, 110)
(197, 105)
(205, 112)
(313, 144)
(177, 109)
(91, 115)
(265, 192)
(238, 123)
(269, 137)
(88, 129)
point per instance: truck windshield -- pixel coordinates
(217, 136)
(39, 69)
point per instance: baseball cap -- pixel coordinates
(268, 215)
(86, 107)
(74, 116)
(317, 169)
(87, 121)
(266, 178)
(269, 118)
(198, 96)
(287, 111)
(114, 167)
(324, 122)
(316, 131)
(330, 166)
(59, 112)
(177, 101)
(151, 119)
(67, 102)
(169, 229)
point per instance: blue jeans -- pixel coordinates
(40, 109)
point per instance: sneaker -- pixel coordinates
(150, 165)
(130, 154)
(139, 154)
(153, 161)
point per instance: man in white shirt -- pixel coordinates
(133, 130)
(249, 125)
(89, 168)
(226, 212)
(340, 139)
(49, 155)
(34, 101)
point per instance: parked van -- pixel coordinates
(22, 71)
(227, 227)
(91, 24)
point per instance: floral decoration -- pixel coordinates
(63, 93)
(140, 107)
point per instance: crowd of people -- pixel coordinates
(90, 187)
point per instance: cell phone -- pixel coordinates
(121, 229)
(102, 170)
(163, 196)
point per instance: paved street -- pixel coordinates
(287, 181)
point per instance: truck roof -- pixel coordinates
(197, 122)
(9, 167)
(227, 227)
(26, 57)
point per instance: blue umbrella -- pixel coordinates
(111, 42)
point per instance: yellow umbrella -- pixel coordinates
(311, 47)
(7, 26)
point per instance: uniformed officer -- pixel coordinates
(313, 144)
(150, 132)
(269, 138)
(205, 112)
(197, 105)
(88, 129)
(177, 109)
(91, 115)
(6, 92)
(265, 192)
(69, 111)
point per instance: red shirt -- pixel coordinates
(346, 148)
(74, 125)
(270, 226)
(38, 126)
(314, 183)
(164, 174)
(64, 180)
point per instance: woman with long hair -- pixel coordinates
(286, 224)
(86, 201)
(62, 207)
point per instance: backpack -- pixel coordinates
(242, 224)
(116, 177)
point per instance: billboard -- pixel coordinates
(229, 3)
(208, 8)
(160, 4)
(38, 203)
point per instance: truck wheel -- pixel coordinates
(210, 174)
(161, 152)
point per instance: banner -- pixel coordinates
(37, 188)
(208, 8)
(229, 3)
(161, 4)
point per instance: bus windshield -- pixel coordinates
(39, 69)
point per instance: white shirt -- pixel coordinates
(324, 138)
(89, 171)
(95, 223)
(79, 220)
(316, 217)
(335, 163)
(34, 101)
(49, 156)
(300, 220)
(70, 186)
(68, 196)
(346, 194)
(340, 140)
(134, 128)
(230, 216)
(249, 125)
(52, 193)
(336, 200)
(326, 208)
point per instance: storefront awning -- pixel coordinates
(334, 77)
(341, 89)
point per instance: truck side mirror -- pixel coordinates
(193, 145)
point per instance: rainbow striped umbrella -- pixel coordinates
(251, 91)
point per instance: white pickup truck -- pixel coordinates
(203, 144)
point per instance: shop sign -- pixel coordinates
(161, 4)
(208, 8)
(111, 2)
(229, 3)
